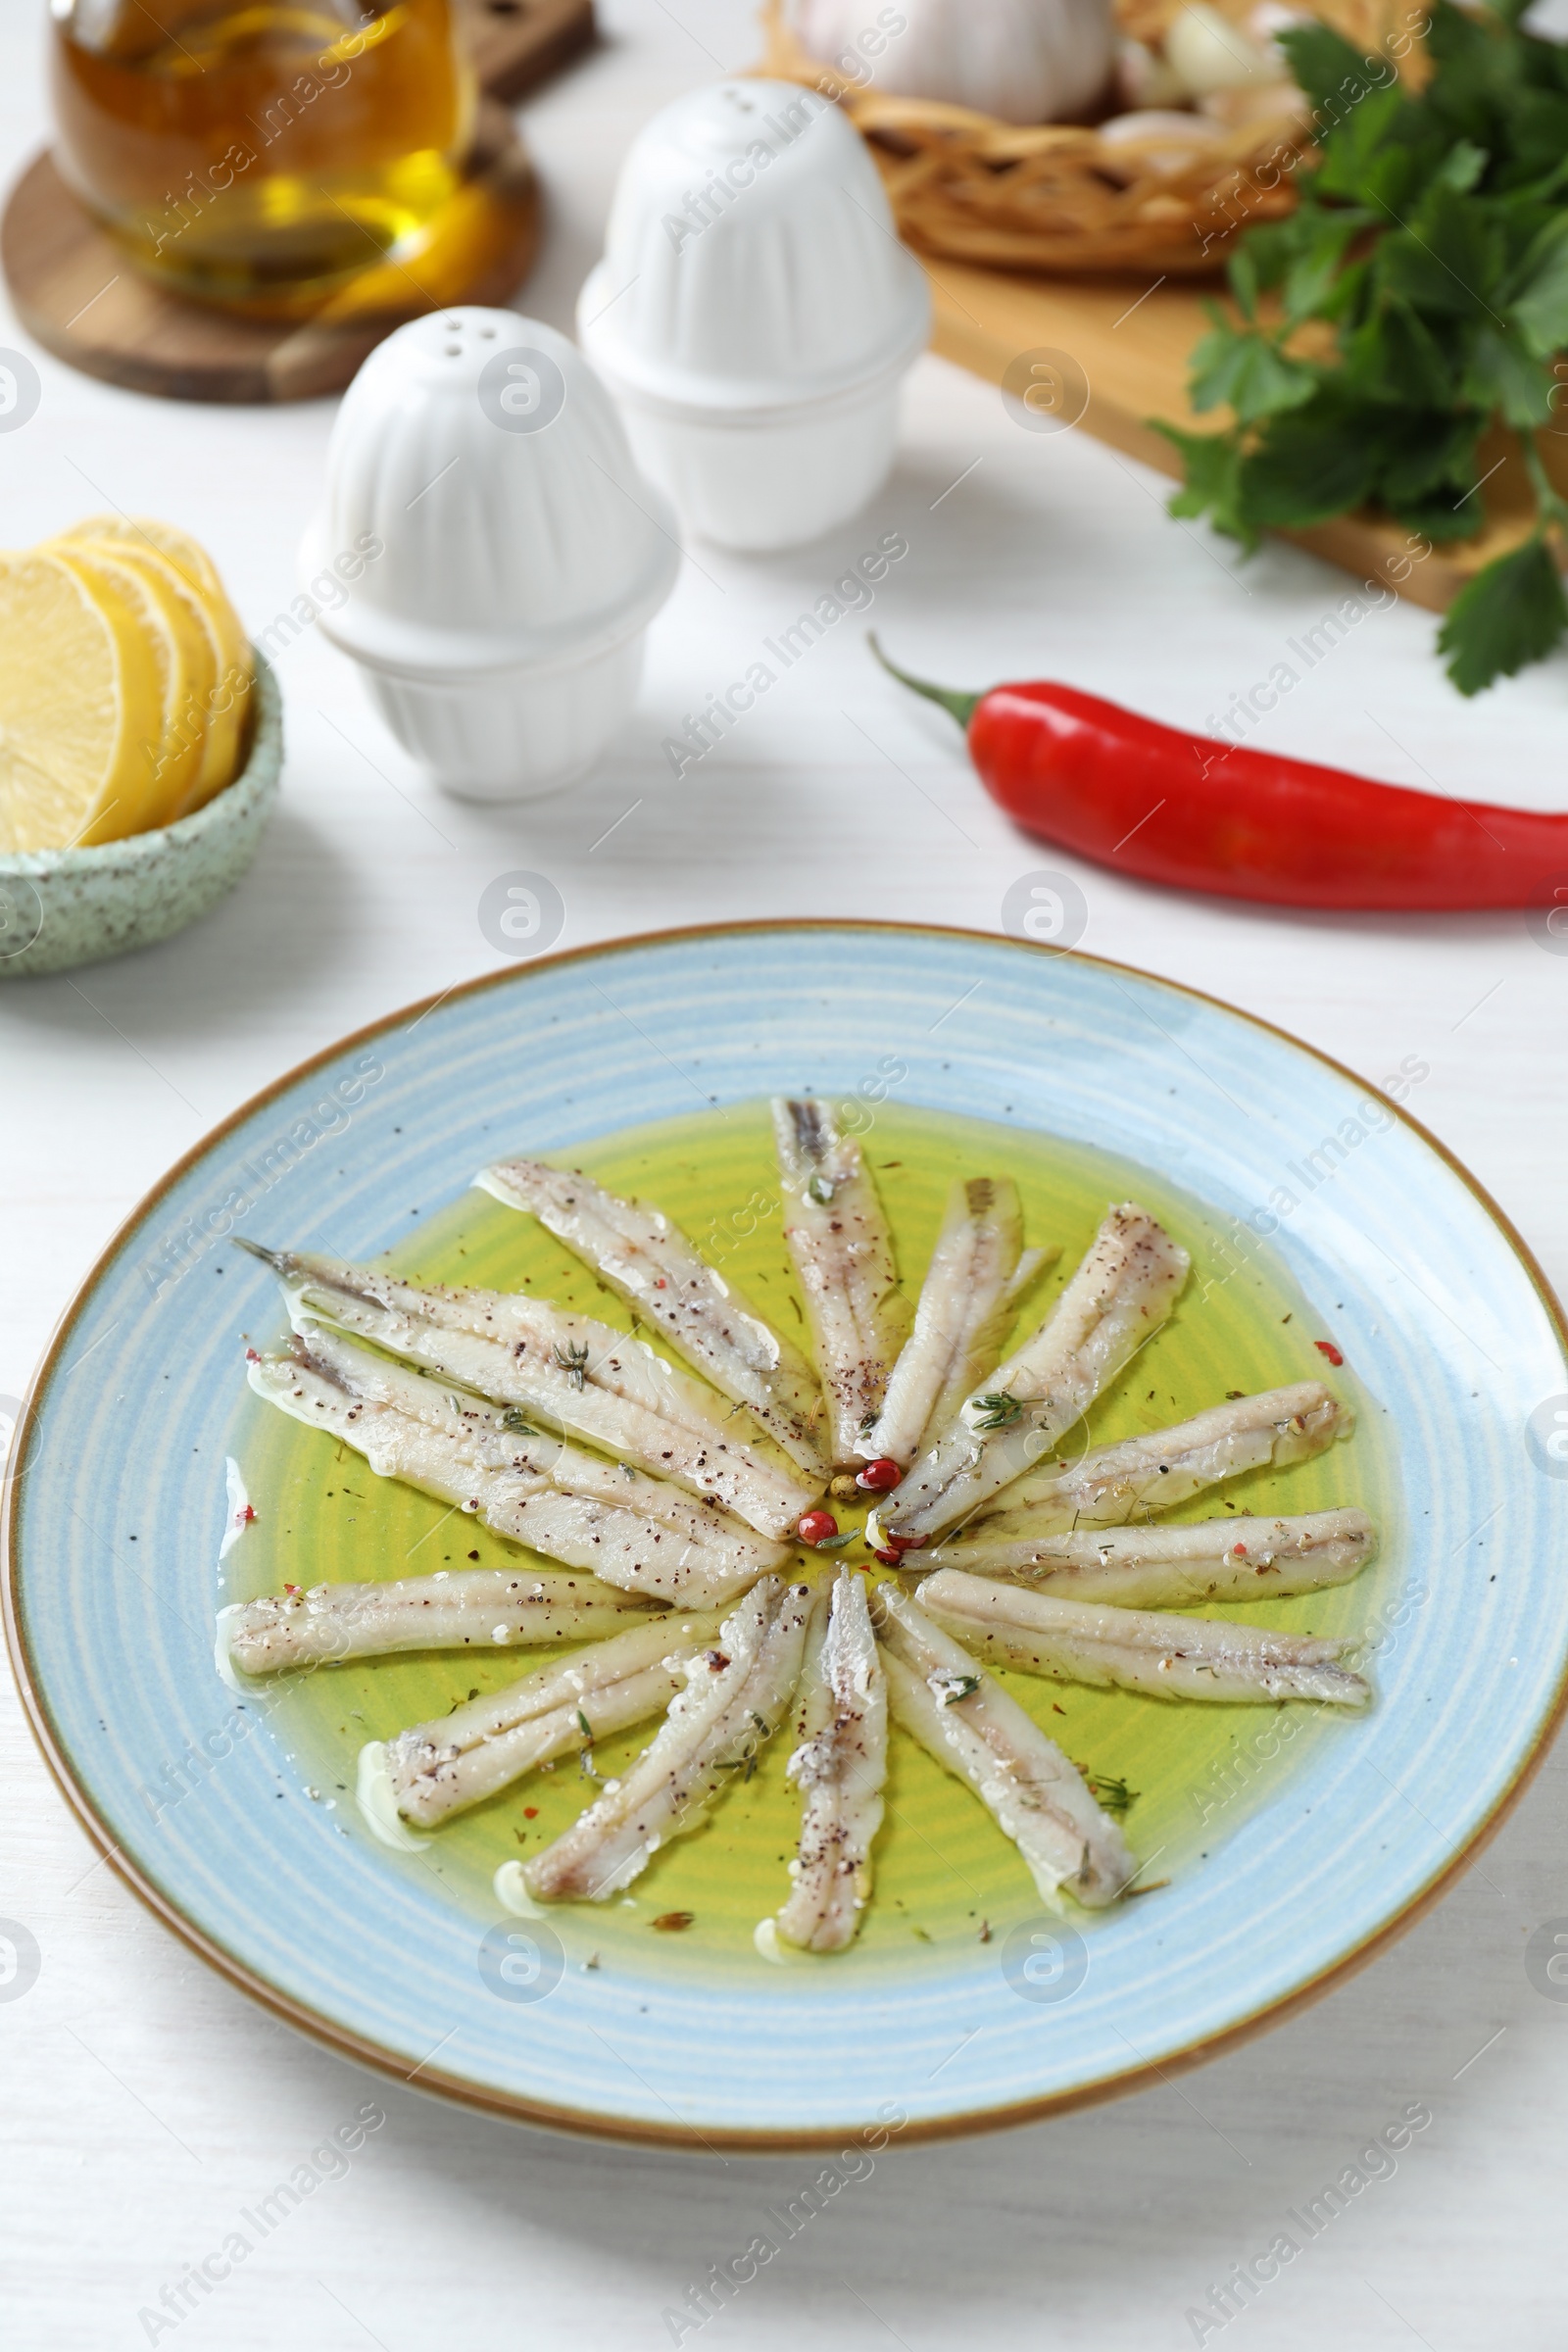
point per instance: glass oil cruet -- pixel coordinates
(263, 154)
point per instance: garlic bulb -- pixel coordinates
(1023, 61)
(1208, 53)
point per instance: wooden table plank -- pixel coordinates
(1132, 346)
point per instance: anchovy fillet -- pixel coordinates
(977, 1269)
(651, 1265)
(472, 1609)
(436, 1769)
(1172, 1567)
(1119, 1296)
(843, 1253)
(945, 1698)
(1139, 1476)
(1135, 1649)
(734, 1698)
(573, 1375)
(626, 1529)
(838, 1768)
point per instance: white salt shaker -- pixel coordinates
(522, 555)
(755, 312)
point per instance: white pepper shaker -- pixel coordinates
(755, 314)
(522, 555)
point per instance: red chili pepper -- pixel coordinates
(1199, 815)
(1328, 1349)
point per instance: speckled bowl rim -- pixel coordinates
(344, 2042)
(255, 779)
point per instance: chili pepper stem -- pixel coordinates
(960, 707)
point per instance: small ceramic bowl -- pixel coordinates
(61, 908)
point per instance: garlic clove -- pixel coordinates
(1273, 16)
(1159, 140)
(1271, 102)
(1145, 78)
(1208, 52)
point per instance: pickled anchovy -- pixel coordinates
(1154, 1567)
(1138, 1476)
(838, 1768)
(627, 1529)
(977, 1269)
(437, 1768)
(945, 1698)
(733, 1700)
(1135, 1649)
(468, 1608)
(1118, 1298)
(843, 1253)
(564, 1371)
(652, 1264)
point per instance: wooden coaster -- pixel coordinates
(1116, 355)
(82, 299)
(516, 44)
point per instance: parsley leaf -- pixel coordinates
(1540, 309)
(1317, 463)
(1512, 613)
(1247, 372)
(1213, 486)
(1323, 63)
(1502, 375)
(1415, 301)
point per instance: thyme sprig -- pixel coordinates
(1111, 1795)
(585, 1755)
(947, 1687)
(746, 1762)
(995, 1410)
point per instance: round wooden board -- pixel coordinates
(79, 296)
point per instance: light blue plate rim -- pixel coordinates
(1524, 1720)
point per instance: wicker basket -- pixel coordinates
(1062, 198)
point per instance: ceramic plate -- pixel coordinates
(1278, 1846)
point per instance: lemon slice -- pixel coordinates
(189, 677)
(169, 639)
(228, 710)
(81, 709)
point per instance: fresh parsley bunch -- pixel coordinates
(1432, 242)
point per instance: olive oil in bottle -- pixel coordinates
(258, 154)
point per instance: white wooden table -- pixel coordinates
(144, 2102)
